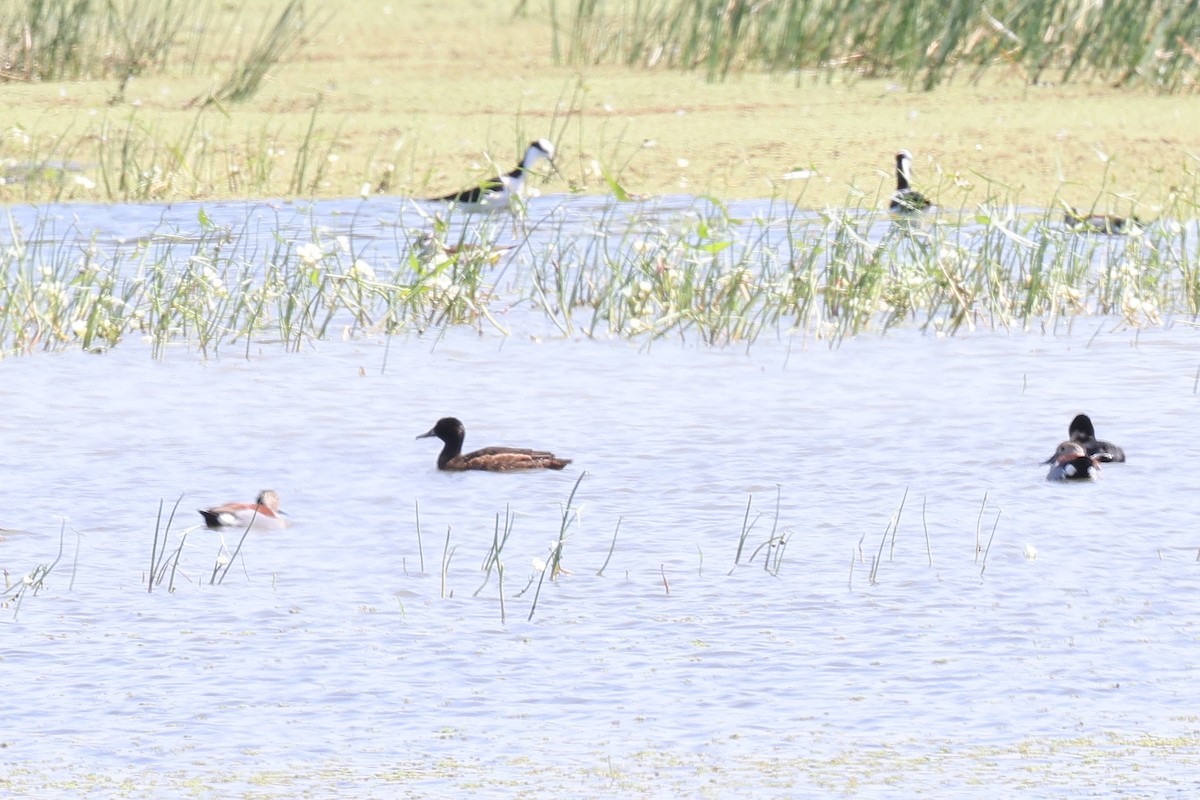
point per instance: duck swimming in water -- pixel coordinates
(1082, 431)
(1072, 463)
(491, 459)
(263, 513)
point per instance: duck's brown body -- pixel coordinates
(489, 459)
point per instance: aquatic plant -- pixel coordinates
(726, 280)
(921, 42)
(33, 581)
(552, 565)
(631, 271)
(160, 559)
(772, 547)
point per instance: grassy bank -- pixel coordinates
(420, 97)
(923, 43)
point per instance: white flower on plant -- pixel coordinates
(310, 253)
(363, 270)
(538, 565)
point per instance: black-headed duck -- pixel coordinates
(1082, 431)
(492, 459)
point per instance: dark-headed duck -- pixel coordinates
(491, 459)
(1081, 431)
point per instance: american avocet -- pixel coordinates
(263, 513)
(906, 200)
(492, 459)
(498, 192)
(1072, 463)
(1082, 431)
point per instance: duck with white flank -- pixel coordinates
(491, 459)
(906, 200)
(263, 514)
(499, 192)
(1072, 463)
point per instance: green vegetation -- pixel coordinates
(137, 101)
(634, 272)
(32, 582)
(922, 42)
(54, 41)
(59, 40)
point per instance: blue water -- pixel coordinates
(1050, 646)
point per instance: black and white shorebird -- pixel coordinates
(906, 200)
(499, 192)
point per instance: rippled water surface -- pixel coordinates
(1003, 634)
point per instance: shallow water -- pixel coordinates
(335, 661)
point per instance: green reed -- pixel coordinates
(552, 566)
(274, 43)
(699, 274)
(218, 289)
(48, 40)
(119, 158)
(35, 580)
(834, 277)
(922, 42)
(160, 558)
(55, 40)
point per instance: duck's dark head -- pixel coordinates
(1081, 428)
(448, 429)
